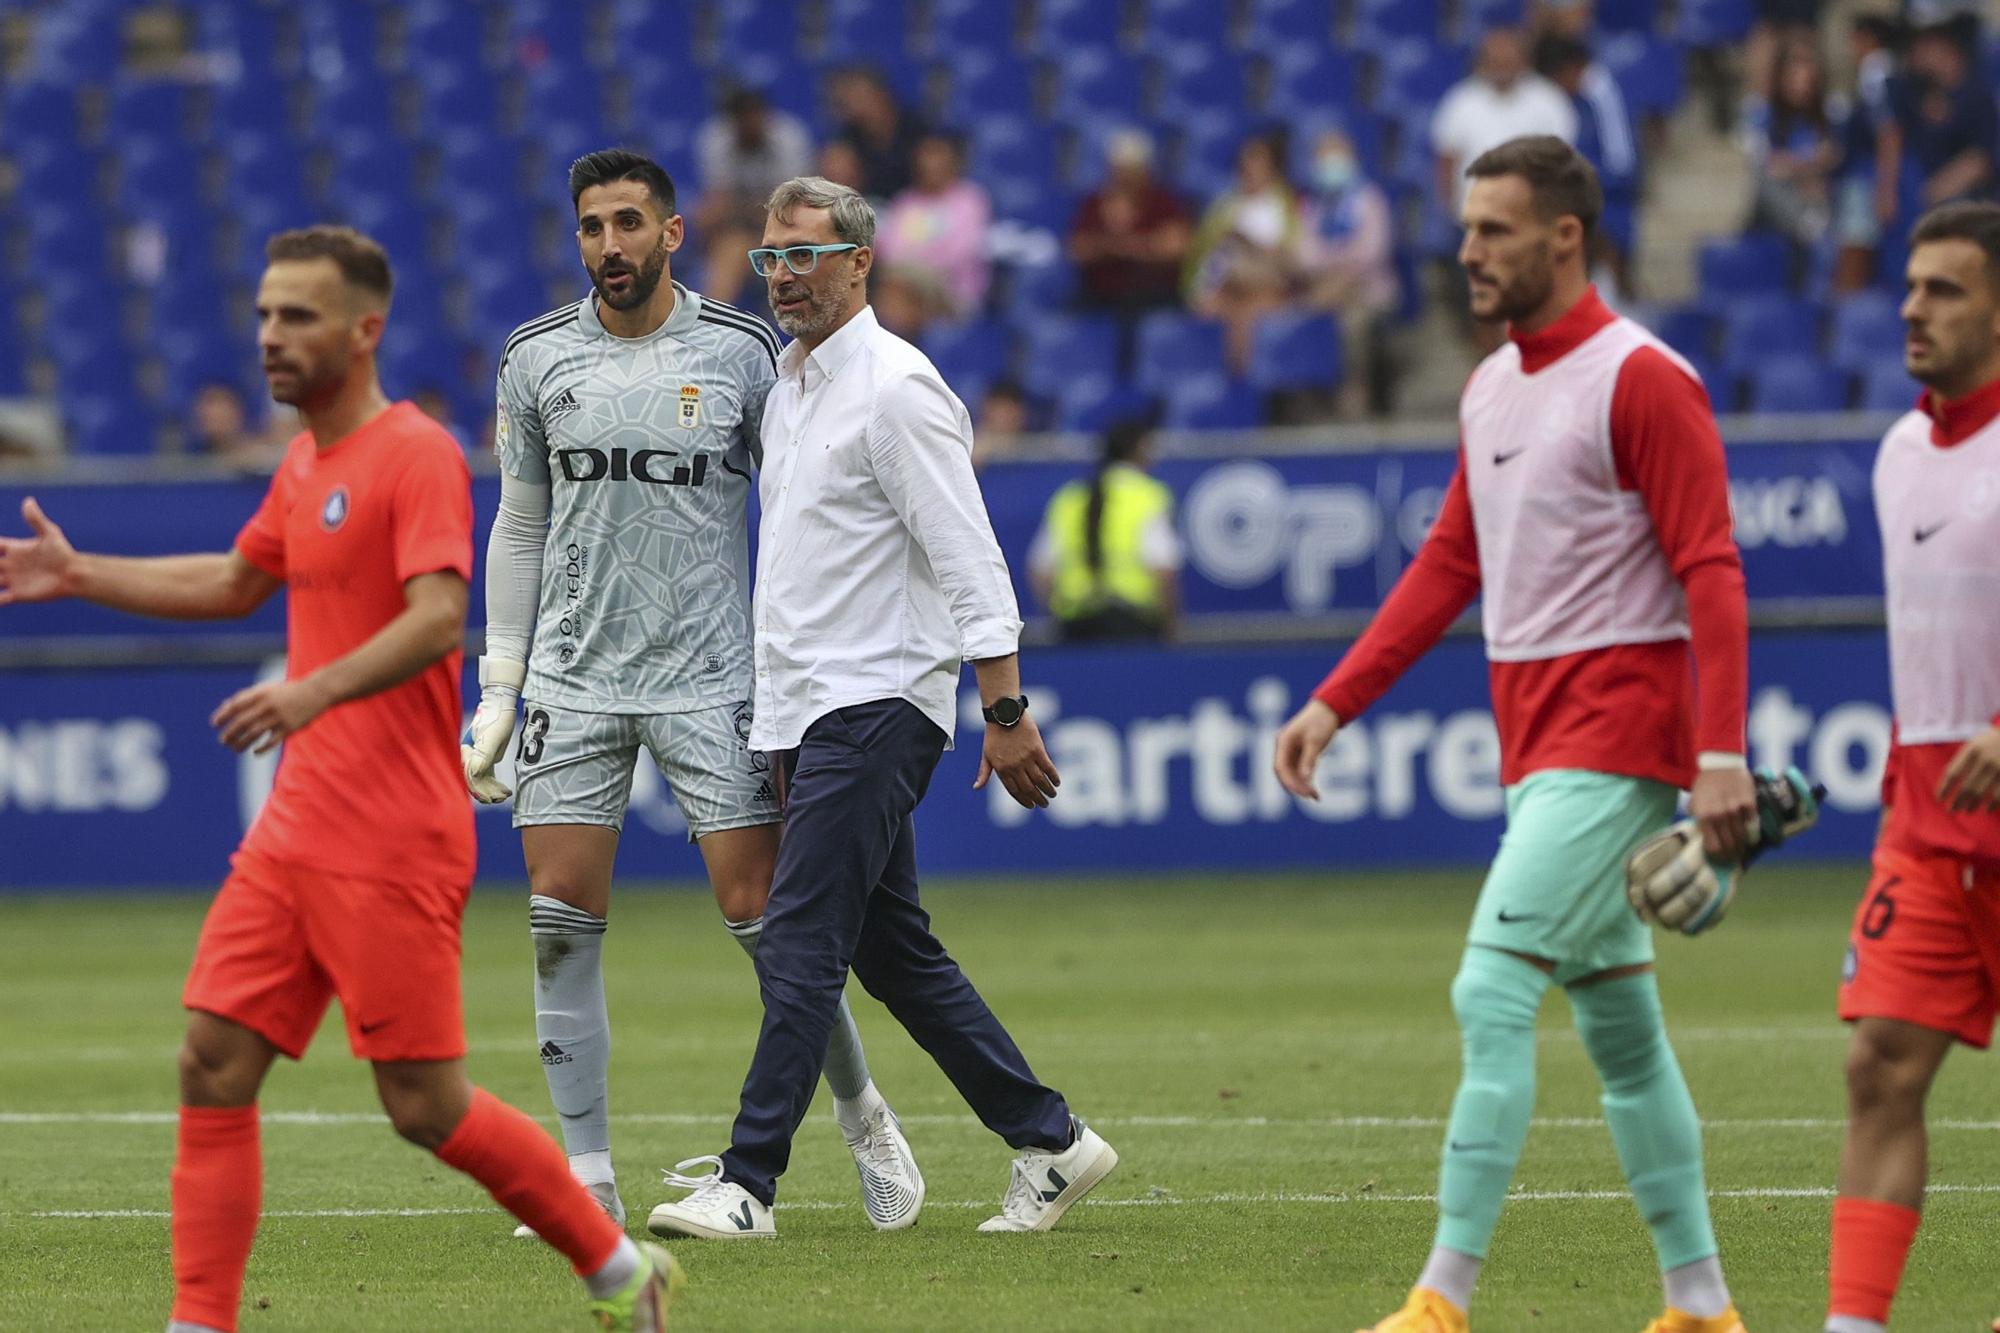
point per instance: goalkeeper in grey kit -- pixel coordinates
(617, 592)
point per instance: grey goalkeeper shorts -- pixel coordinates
(576, 768)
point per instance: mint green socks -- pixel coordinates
(1651, 1115)
(1495, 996)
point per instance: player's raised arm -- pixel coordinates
(44, 567)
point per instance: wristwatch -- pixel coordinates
(1006, 711)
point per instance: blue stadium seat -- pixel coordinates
(339, 36)
(1415, 75)
(1755, 328)
(1010, 145)
(1199, 82)
(546, 35)
(974, 348)
(250, 33)
(1797, 384)
(1203, 21)
(146, 110)
(38, 109)
(987, 82)
(1065, 352)
(1093, 405)
(1062, 25)
(1476, 16)
(1868, 329)
(1721, 389)
(1309, 80)
(367, 159)
(1688, 329)
(1887, 388)
(970, 25)
(1212, 402)
(1646, 69)
(662, 27)
(1095, 82)
(1752, 262)
(1627, 15)
(1293, 350)
(1708, 23)
(114, 421)
(1375, 20)
(1276, 23)
(1204, 160)
(1174, 346)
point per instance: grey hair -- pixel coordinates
(852, 216)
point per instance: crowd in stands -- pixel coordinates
(1211, 213)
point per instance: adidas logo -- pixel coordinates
(564, 404)
(764, 793)
(553, 1054)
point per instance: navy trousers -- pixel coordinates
(845, 896)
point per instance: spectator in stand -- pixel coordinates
(1779, 24)
(1107, 559)
(933, 236)
(883, 133)
(1604, 137)
(1130, 238)
(1345, 261)
(1875, 42)
(1943, 121)
(1502, 99)
(1241, 263)
(745, 151)
(1795, 144)
(219, 425)
(1002, 421)
(840, 162)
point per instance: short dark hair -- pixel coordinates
(1884, 28)
(1555, 52)
(621, 164)
(1968, 221)
(361, 259)
(1562, 181)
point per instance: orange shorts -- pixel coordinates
(283, 939)
(1925, 947)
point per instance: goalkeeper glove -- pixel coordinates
(1669, 878)
(492, 727)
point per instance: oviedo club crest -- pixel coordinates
(690, 407)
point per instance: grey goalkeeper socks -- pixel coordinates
(572, 1027)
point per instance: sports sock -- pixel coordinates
(1871, 1241)
(1843, 1323)
(1451, 1275)
(846, 1062)
(1697, 1288)
(218, 1187)
(1653, 1124)
(609, 1280)
(183, 1326)
(524, 1171)
(573, 1030)
(1495, 996)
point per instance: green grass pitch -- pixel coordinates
(1270, 1055)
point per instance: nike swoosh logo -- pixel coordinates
(1925, 534)
(1501, 460)
(1509, 918)
(1480, 1146)
(367, 1028)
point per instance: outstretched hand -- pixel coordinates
(37, 568)
(1300, 745)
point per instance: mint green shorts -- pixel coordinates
(1556, 890)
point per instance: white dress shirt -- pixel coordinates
(877, 571)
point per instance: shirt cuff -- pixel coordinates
(997, 636)
(1720, 761)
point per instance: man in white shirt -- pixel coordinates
(1502, 99)
(877, 577)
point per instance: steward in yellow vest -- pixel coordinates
(1106, 561)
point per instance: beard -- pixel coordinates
(816, 317)
(1525, 293)
(645, 278)
(307, 386)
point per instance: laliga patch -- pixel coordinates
(1850, 965)
(690, 407)
(334, 512)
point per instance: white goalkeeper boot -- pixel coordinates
(892, 1188)
(1043, 1185)
(717, 1210)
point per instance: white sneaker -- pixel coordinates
(892, 1189)
(606, 1194)
(717, 1210)
(1044, 1184)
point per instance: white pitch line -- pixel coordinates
(1162, 1200)
(692, 1120)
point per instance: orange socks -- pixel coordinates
(527, 1174)
(1871, 1239)
(218, 1186)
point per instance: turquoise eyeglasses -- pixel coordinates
(800, 259)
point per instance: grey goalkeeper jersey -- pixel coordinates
(646, 445)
